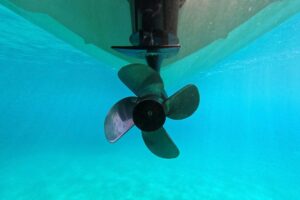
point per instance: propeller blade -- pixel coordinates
(119, 119)
(183, 103)
(160, 144)
(141, 79)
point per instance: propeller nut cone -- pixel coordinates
(149, 115)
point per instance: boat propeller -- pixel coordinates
(149, 109)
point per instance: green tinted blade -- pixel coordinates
(160, 144)
(183, 103)
(142, 80)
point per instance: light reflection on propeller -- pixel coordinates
(119, 119)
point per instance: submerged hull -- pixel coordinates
(208, 30)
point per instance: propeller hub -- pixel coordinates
(149, 115)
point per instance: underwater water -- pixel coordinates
(242, 143)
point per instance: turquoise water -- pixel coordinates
(243, 142)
